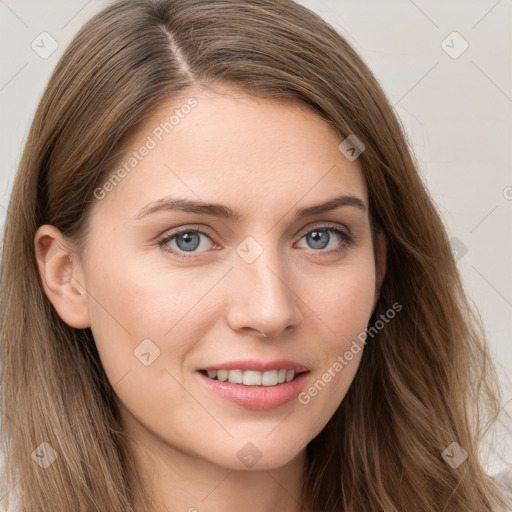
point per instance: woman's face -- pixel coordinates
(166, 302)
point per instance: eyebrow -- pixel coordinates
(219, 210)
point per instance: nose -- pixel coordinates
(262, 299)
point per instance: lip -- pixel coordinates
(257, 397)
(259, 366)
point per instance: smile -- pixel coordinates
(252, 377)
(263, 391)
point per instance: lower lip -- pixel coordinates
(257, 397)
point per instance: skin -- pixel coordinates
(264, 158)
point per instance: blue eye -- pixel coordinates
(319, 238)
(189, 240)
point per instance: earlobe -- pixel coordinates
(62, 277)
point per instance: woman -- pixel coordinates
(225, 286)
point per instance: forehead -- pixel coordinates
(229, 147)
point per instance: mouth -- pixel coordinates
(253, 389)
(250, 378)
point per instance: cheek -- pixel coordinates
(347, 311)
(346, 302)
(344, 310)
(131, 301)
(140, 299)
(123, 312)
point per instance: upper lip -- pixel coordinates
(259, 366)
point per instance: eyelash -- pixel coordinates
(347, 239)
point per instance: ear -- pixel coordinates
(62, 276)
(381, 248)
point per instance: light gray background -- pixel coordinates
(456, 111)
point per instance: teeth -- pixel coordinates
(269, 378)
(253, 378)
(236, 376)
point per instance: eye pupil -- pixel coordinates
(187, 236)
(319, 234)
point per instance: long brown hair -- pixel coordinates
(425, 381)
